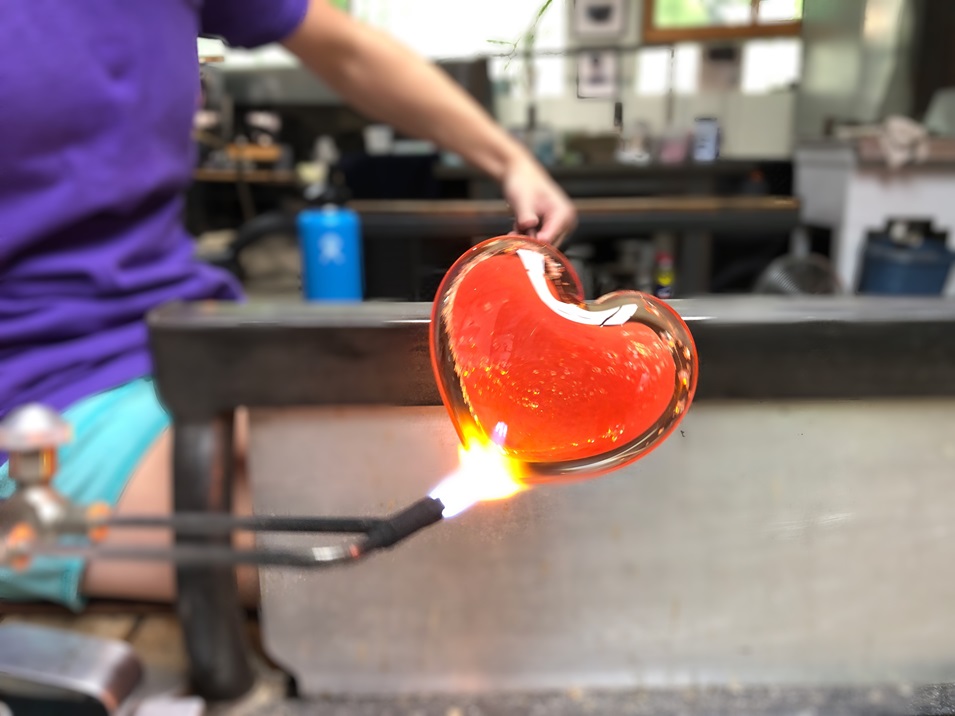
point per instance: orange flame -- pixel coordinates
(485, 473)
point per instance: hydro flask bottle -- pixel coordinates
(329, 235)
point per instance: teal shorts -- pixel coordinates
(112, 431)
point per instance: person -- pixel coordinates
(97, 101)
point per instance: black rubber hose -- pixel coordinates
(270, 224)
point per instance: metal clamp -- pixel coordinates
(32, 435)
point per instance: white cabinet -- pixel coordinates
(850, 196)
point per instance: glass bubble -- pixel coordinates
(572, 389)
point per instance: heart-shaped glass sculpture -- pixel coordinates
(571, 389)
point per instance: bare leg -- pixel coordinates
(149, 492)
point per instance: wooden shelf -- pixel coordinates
(634, 205)
(250, 176)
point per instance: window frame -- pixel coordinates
(669, 35)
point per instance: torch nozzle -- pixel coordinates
(390, 531)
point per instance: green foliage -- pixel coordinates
(701, 13)
(529, 36)
(680, 13)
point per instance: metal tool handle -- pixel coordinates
(379, 534)
(204, 523)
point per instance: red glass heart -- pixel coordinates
(571, 389)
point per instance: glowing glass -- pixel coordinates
(572, 389)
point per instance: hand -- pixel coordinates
(386, 81)
(540, 207)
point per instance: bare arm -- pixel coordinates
(389, 83)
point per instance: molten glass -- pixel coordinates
(567, 388)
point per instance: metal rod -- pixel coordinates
(199, 555)
(200, 523)
(381, 534)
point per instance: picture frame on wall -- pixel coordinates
(595, 19)
(597, 74)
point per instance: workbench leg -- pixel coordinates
(695, 264)
(208, 597)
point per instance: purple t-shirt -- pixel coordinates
(97, 99)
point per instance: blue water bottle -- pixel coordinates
(330, 241)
